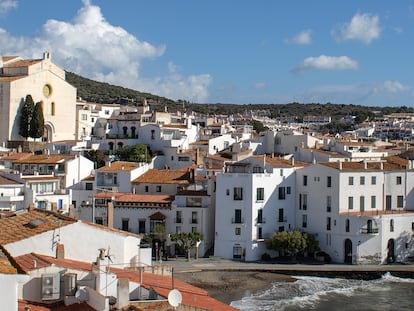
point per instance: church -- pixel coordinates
(46, 83)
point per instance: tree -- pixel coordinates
(97, 156)
(37, 123)
(187, 240)
(26, 116)
(136, 153)
(289, 242)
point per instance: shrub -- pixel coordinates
(266, 257)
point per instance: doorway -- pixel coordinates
(348, 251)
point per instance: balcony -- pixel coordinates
(369, 231)
(282, 219)
(237, 220)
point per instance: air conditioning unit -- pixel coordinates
(50, 286)
(69, 284)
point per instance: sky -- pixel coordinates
(357, 52)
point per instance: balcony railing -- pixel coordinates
(369, 230)
(237, 220)
(282, 219)
(260, 220)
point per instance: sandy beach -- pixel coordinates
(228, 286)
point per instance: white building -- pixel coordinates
(254, 198)
(360, 212)
(45, 82)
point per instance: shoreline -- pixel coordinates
(228, 286)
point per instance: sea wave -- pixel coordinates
(307, 292)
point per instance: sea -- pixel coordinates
(333, 294)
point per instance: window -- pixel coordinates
(257, 170)
(152, 134)
(304, 221)
(53, 109)
(350, 202)
(281, 172)
(259, 216)
(350, 180)
(328, 203)
(237, 251)
(158, 188)
(329, 181)
(282, 193)
(125, 224)
(99, 220)
(237, 216)
(237, 231)
(305, 180)
(399, 180)
(281, 215)
(178, 229)
(193, 229)
(194, 217)
(259, 194)
(260, 233)
(400, 201)
(373, 180)
(373, 201)
(304, 202)
(392, 225)
(288, 190)
(347, 225)
(362, 203)
(84, 117)
(238, 193)
(328, 223)
(388, 202)
(141, 226)
(362, 180)
(227, 192)
(146, 188)
(89, 186)
(178, 217)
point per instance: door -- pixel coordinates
(348, 251)
(391, 251)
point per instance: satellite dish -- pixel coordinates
(81, 294)
(174, 298)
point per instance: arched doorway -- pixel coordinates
(348, 251)
(391, 251)
(48, 133)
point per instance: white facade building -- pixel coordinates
(255, 197)
(360, 212)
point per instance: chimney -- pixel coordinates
(292, 161)
(365, 164)
(381, 166)
(60, 251)
(340, 165)
(111, 214)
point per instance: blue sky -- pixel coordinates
(226, 51)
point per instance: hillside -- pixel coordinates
(101, 92)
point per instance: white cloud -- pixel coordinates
(260, 85)
(93, 48)
(324, 62)
(7, 5)
(304, 37)
(362, 27)
(390, 87)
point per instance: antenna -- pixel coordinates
(174, 298)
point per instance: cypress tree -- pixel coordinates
(37, 123)
(26, 116)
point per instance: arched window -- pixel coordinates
(369, 226)
(392, 225)
(133, 129)
(52, 108)
(111, 146)
(125, 130)
(120, 144)
(347, 225)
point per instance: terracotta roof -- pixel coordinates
(279, 162)
(11, 78)
(39, 178)
(360, 166)
(157, 216)
(200, 142)
(119, 166)
(6, 266)
(23, 63)
(125, 197)
(162, 284)
(154, 176)
(27, 223)
(45, 159)
(17, 156)
(59, 306)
